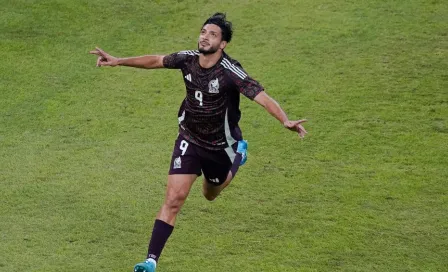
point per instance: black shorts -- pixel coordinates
(189, 158)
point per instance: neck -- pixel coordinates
(209, 60)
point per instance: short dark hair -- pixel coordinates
(219, 19)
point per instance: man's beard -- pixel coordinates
(210, 51)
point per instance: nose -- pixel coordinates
(205, 35)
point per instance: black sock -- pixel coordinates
(160, 234)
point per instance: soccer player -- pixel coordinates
(210, 140)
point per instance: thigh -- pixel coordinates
(220, 166)
(177, 191)
(185, 159)
(178, 187)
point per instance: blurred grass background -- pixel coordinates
(84, 152)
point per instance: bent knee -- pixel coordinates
(210, 193)
(210, 197)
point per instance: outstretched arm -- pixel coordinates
(147, 62)
(275, 110)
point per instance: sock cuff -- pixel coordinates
(160, 223)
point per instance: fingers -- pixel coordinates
(95, 52)
(297, 127)
(292, 124)
(301, 130)
(101, 51)
(102, 61)
(98, 51)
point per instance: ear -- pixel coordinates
(223, 45)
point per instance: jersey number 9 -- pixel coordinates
(198, 96)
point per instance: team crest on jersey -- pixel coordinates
(213, 86)
(177, 163)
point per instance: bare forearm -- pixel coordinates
(146, 62)
(271, 106)
(275, 110)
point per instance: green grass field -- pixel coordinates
(84, 151)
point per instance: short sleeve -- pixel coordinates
(174, 61)
(249, 87)
(245, 84)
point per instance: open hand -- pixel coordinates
(296, 126)
(104, 59)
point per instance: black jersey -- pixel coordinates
(210, 113)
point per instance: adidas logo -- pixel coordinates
(214, 180)
(188, 77)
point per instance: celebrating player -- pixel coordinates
(210, 141)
